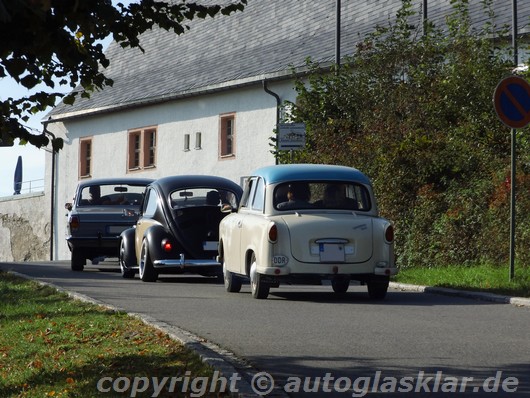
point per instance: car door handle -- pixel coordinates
(239, 224)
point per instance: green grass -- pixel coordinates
(485, 278)
(55, 346)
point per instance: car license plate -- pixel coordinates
(331, 252)
(116, 229)
(210, 245)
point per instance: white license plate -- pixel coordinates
(210, 245)
(331, 252)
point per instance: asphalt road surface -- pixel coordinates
(414, 343)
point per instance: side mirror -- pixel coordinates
(68, 206)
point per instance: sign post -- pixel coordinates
(511, 100)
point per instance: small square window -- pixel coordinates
(186, 142)
(198, 140)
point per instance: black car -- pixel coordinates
(102, 209)
(178, 229)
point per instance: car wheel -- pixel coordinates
(126, 272)
(147, 271)
(78, 260)
(258, 288)
(377, 288)
(340, 284)
(232, 282)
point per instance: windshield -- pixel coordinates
(297, 195)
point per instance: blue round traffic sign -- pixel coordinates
(512, 101)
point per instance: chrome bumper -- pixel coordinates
(182, 263)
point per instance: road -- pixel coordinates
(307, 331)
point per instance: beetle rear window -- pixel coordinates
(298, 195)
(193, 197)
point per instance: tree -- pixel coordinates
(44, 41)
(414, 111)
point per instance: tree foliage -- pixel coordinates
(413, 109)
(45, 41)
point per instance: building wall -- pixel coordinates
(25, 227)
(255, 121)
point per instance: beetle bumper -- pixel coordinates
(184, 263)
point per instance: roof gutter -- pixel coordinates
(278, 104)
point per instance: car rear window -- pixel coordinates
(298, 195)
(111, 195)
(192, 197)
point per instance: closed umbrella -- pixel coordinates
(17, 181)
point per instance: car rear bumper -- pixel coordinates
(185, 263)
(381, 268)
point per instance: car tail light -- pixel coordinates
(273, 233)
(389, 234)
(166, 245)
(74, 223)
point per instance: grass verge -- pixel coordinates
(55, 346)
(484, 278)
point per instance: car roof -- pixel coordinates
(171, 183)
(117, 180)
(325, 172)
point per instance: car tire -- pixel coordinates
(78, 260)
(232, 282)
(257, 287)
(377, 288)
(146, 270)
(126, 272)
(340, 284)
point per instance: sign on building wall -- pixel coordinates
(291, 136)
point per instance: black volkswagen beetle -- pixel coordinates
(178, 228)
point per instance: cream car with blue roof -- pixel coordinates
(306, 223)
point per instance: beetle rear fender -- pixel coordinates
(127, 238)
(128, 235)
(154, 236)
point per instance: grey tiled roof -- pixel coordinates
(263, 41)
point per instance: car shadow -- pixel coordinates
(358, 294)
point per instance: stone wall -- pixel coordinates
(25, 228)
